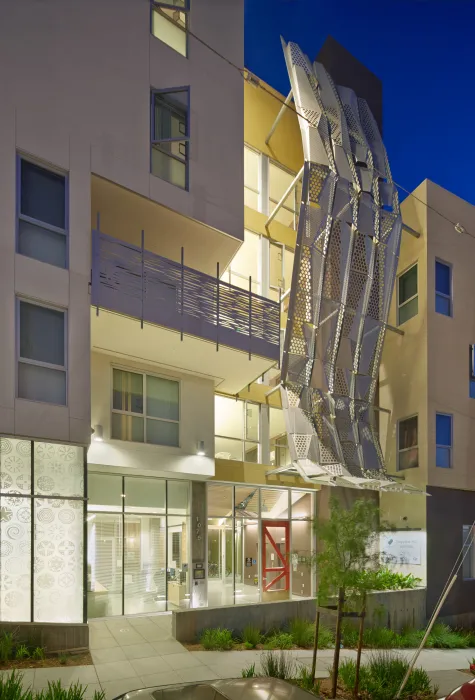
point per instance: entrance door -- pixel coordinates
(275, 560)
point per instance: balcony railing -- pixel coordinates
(135, 282)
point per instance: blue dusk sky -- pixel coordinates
(422, 50)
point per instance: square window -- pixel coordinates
(170, 23)
(443, 431)
(42, 214)
(170, 136)
(408, 450)
(41, 353)
(407, 295)
(145, 408)
(443, 288)
(279, 181)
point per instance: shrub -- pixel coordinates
(381, 677)
(11, 687)
(470, 637)
(7, 643)
(279, 640)
(217, 639)
(307, 682)
(325, 637)
(38, 654)
(22, 652)
(349, 634)
(410, 638)
(302, 632)
(249, 672)
(251, 636)
(443, 637)
(55, 691)
(380, 638)
(277, 665)
(386, 580)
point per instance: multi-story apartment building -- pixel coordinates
(427, 383)
(131, 314)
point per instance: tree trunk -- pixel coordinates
(358, 653)
(336, 658)
(315, 646)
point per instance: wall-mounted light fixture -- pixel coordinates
(201, 448)
(98, 434)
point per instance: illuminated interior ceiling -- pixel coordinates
(345, 265)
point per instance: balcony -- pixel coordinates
(144, 297)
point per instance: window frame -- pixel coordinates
(184, 137)
(244, 440)
(37, 222)
(38, 363)
(258, 192)
(295, 210)
(450, 447)
(441, 294)
(468, 552)
(155, 5)
(144, 415)
(415, 296)
(406, 449)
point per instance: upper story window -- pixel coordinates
(443, 439)
(41, 343)
(145, 408)
(236, 427)
(246, 264)
(468, 552)
(407, 297)
(170, 23)
(443, 288)
(252, 178)
(278, 444)
(42, 214)
(170, 137)
(281, 263)
(408, 449)
(279, 181)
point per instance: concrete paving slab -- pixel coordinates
(169, 646)
(198, 673)
(446, 681)
(114, 688)
(139, 651)
(103, 656)
(68, 675)
(167, 678)
(180, 661)
(153, 664)
(115, 671)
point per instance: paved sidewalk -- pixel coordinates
(137, 652)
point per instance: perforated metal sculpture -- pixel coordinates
(345, 264)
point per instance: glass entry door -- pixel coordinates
(275, 560)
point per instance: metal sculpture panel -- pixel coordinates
(345, 265)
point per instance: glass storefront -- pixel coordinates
(42, 510)
(272, 532)
(138, 545)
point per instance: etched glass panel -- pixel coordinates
(15, 554)
(59, 469)
(15, 466)
(58, 571)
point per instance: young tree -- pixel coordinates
(347, 541)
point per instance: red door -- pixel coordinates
(275, 556)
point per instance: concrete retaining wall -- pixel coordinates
(393, 609)
(187, 625)
(50, 636)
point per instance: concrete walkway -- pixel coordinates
(137, 652)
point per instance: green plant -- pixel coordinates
(302, 632)
(444, 637)
(22, 652)
(7, 643)
(279, 640)
(63, 658)
(410, 638)
(249, 671)
(381, 677)
(251, 636)
(384, 579)
(217, 639)
(380, 638)
(55, 691)
(38, 654)
(307, 682)
(277, 665)
(349, 634)
(325, 637)
(11, 687)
